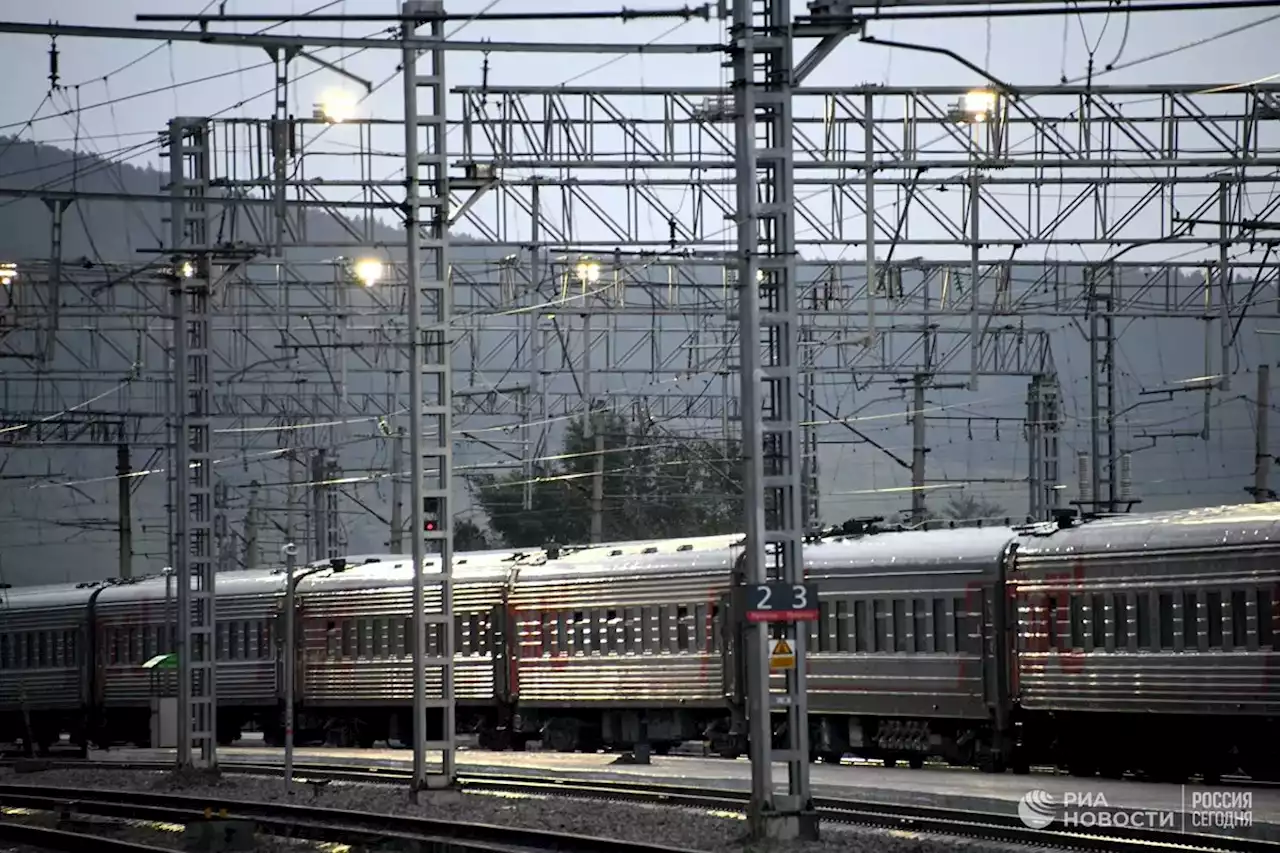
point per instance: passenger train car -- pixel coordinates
(1131, 643)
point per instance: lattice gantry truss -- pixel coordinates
(614, 205)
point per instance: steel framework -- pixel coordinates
(1092, 204)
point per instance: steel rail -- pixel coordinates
(45, 838)
(312, 822)
(984, 825)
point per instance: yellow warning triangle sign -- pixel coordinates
(781, 655)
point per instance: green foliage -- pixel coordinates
(964, 507)
(655, 485)
(468, 536)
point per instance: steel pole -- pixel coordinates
(290, 658)
(413, 206)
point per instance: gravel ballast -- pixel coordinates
(686, 828)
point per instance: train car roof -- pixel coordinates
(229, 584)
(1183, 529)
(614, 563)
(673, 545)
(46, 596)
(918, 549)
(470, 567)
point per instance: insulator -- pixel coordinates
(1084, 468)
(1126, 477)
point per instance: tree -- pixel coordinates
(964, 507)
(467, 536)
(656, 485)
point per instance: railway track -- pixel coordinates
(311, 823)
(923, 819)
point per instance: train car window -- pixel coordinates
(4, 651)
(348, 639)
(899, 625)
(233, 640)
(561, 646)
(479, 634)
(1266, 619)
(1213, 617)
(826, 627)
(1239, 619)
(713, 630)
(1143, 616)
(379, 638)
(546, 633)
(1052, 609)
(861, 630)
(42, 649)
(880, 625)
(703, 629)
(70, 643)
(331, 640)
(1165, 617)
(1076, 626)
(842, 626)
(1098, 620)
(963, 626)
(682, 629)
(361, 628)
(666, 631)
(1190, 621)
(939, 625)
(630, 631)
(920, 625)
(400, 647)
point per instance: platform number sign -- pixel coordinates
(778, 602)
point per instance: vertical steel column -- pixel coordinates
(189, 164)
(1102, 385)
(1262, 459)
(761, 52)
(918, 449)
(430, 393)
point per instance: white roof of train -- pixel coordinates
(1183, 529)
(914, 549)
(45, 597)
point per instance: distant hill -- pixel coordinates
(52, 531)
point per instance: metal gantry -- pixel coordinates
(1064, 170)
(429, 351)
(769, 336)
(191, 273)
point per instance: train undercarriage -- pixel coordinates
(1085, 744)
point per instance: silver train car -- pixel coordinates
(1135, 643)
(1148, 642)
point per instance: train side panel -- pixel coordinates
(355, 667)
(612, 640)
(42, 645)
(1137, 632)
(903, 658)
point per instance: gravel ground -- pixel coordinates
(675, 827)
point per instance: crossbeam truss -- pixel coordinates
(1075, 187)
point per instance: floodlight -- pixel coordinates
(588, 271)
(336, 106)
(368, 271)
(978, 105)
(187, 270)
(8, 273)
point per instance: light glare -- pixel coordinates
(979, 104)
(338, 105)
(368, 271)
(588, 271)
